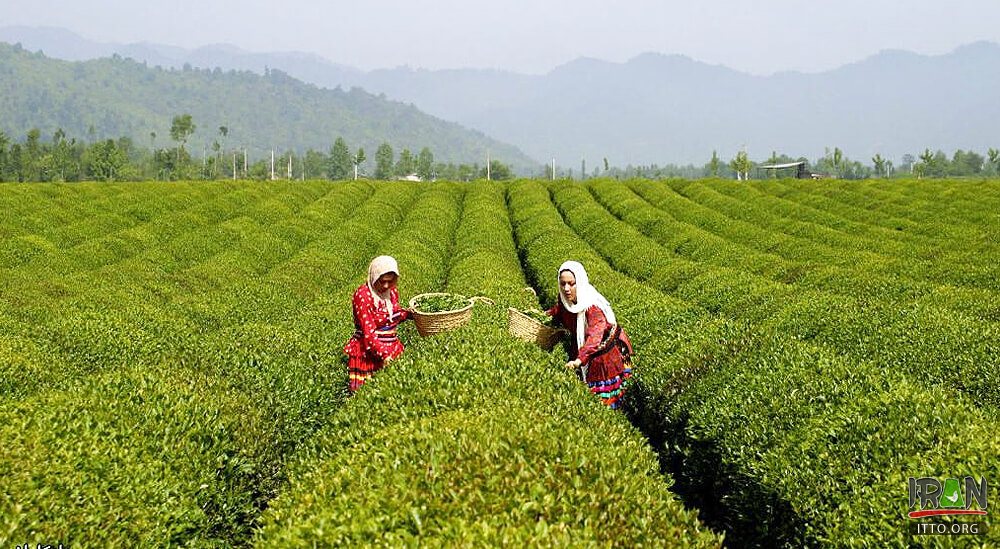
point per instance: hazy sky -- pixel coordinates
(760, 37)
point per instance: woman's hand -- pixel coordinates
(573, 364)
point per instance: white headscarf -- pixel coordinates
(586, 296)
(379, 266)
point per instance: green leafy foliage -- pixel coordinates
(180, 378)
(440, 303)
(441, 448)
(728, 393)
(538, 316)
(171, 358)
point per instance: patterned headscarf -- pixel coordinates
(379, 266)
(586, 296)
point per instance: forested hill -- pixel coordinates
(114, 97)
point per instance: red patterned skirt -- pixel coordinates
(610, 391)
(360, 370)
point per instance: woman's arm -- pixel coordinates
(403, 313)
(597, 324)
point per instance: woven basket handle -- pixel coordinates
(532, 290)
(484, 299)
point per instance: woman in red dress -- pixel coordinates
(602, 349)
(376, 315)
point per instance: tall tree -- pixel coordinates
(498, 171)
(181, 128)
(359, 159)
(13, 164)
(405, 165)
(62, 157)
(315, 164)
(425, 164)
(31, 156)
(4, 141)
(966, 163)
(879, 163)
(713, 165)
(941, 164)
(741, 165)
(223, 133)
(927, 157)
(383, 161)
(992, 154)
(216, 160)
(838, 161)
(106, 161)
(340, 160)
(926, 164)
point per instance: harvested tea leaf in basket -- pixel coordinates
(440, 303)
(539, 316)
(439, 312)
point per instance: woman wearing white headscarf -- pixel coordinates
(376, 315)
(602, 349)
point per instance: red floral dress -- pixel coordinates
(374, 340)
(606, 354)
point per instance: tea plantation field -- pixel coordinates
(172, 375)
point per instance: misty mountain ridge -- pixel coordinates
(114, 97)
(659, 108)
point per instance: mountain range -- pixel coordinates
(110, 97)
(655, 108)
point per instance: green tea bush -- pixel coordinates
(490, 445)
(727, 398)
(878, 254)
(489, 476)
(138, 456)
(950, 349)
(814, 265)
(187, 445)
(171, 357)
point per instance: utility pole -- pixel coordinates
(272, 164)
(245, 162)
(289, 166)
(487, 165)
(553, 169)
(234, 165)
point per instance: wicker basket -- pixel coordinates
(435, 323)
(524, 327)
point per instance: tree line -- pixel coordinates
(65, 158)
(833, 163)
